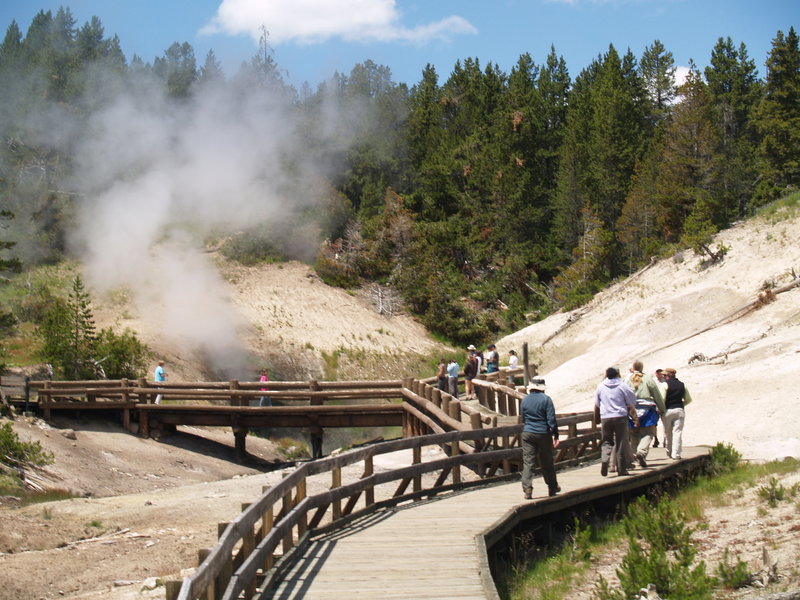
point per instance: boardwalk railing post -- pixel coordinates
(210, 591)
(302, 524)
(46, 393)
(142, 383)
(506, 462)
(288, 541)
(436, 397)
(267, 522)
(248, 546)
(227, 569)
(336, 482)
(417, 458)
(525, 366)
(454, 451)
(234, 400)
(369, 469)
(172, 588)
(455, 410)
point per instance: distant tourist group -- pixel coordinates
(475, 363)
(628, 411)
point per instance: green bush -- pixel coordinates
(773, 492)
(724, 459)
(661, 552)
(17, 452)
(121, 355)
(335, 273)
(733, 576)
(252, 247)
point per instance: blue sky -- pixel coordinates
(313, 38)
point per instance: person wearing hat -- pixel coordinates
(676, 399)
(539, 437)
(614, 402)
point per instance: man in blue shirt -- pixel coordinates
(452, 376)
(539, 437)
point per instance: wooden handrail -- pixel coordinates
(486, 450)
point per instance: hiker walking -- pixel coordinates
(539, 437)
(675, 416)
(160, 376)
(614, 401)
(649, 404)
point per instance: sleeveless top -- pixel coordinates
(675, 392)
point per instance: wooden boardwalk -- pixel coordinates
(429, 550)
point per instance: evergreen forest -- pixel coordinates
(482, 199)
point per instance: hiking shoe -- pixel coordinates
(642, 461)
(604, 469)
(554, 490)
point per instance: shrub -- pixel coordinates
(17, 452)
(335, 274)
(661, 552)
(733, 576)
(121, 355)
(724, 459)
(773, 492)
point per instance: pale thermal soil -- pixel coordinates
(749, 397)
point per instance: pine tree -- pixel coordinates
(733, 90)
(587, 273)
(573, 182)
(657, 70)
(686, 162)
(211, 71)
(637, 227)
(778, 119)
(69, 335)
(178, 69)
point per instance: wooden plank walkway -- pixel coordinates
(428, 550)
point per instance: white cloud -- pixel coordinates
(681, 73)
(316, 21)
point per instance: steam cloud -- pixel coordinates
(156, 178)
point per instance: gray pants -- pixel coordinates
(538, 447)
(453, 386)
(615, 433)
(626, 447)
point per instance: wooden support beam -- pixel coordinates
(240, 443)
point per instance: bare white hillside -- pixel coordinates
(748, 395)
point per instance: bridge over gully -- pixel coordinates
(395, 519)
